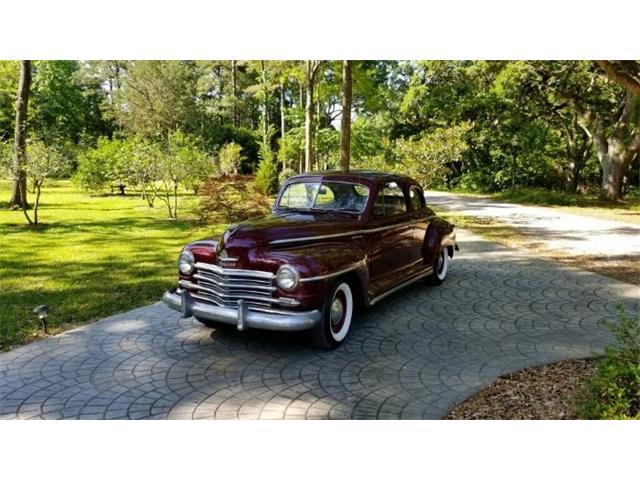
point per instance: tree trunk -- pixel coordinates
(36, 205)
(265, 106)
(616, 151)
(175, 200)
(282, 124)
(308, 119)
(234, 91)
(612, 173)
(19, 188)
(345, 124)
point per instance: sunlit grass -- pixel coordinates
(91, 257)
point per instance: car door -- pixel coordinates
(390, 239)
(421, 215)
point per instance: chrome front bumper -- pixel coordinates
(243, 317)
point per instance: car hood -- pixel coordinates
(263, 232)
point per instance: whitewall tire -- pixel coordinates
(336, 320)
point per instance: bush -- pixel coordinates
(614, 391)
(232, 199)
(267, 175)
(229, 158)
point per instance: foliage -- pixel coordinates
(64, 108)
(8, 86)
(503, 125)
(267, 175)
(614, 391)
(229, 158)
(158, 97)
(232, 198)
(152, 166)
(103, 166)
(428, 158)
(182, 163)
(43, 162)
(6, 157)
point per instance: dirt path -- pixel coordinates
(560, 231)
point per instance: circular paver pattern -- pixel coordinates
(414, 355)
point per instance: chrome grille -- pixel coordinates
(225, 286)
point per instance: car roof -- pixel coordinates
(356, 176)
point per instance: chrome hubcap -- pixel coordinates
(337, 311)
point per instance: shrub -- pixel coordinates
(232, 199)
(614, 391)
(229, 158)
(267, 175)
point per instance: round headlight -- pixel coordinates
(185, 262)
(287, 278)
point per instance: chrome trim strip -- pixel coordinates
(233, 285)
(418, 276)
(334, 274)
(234, 271)
(344, 234)
(196, 286)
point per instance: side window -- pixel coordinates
(390, 201)
(416, 198)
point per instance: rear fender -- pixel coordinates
(439, 234)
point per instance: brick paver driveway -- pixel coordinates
(414, 355)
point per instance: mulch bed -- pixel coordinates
(538, 393)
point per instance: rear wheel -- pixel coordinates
(336, 318)
(440, 268)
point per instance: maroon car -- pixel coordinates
(334, 242)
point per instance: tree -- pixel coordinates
(158, 97)
(19, 187)
(229, 158)
(44, 162)
(427, 158)
(609, 113)
(312, 68)
(345, 124)
(105, 166)
(267, 175)
(626, 73)
(181, 162)
(9, 75)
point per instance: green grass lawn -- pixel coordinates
(91, 257)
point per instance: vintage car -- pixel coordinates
(334, 242)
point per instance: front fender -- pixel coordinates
(319, 265)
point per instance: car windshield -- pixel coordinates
(324, 196)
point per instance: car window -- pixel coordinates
(416, 198)
(300, 195)
(336, 196)
(390, 201)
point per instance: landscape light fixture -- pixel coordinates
(42, 311)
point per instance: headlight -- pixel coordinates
(185, 262)
(287, 278)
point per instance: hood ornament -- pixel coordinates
(224, 257)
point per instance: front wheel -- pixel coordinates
(336, 318)
(440, 268)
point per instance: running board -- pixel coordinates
(419, 276)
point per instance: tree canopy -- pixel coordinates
(478, 125)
